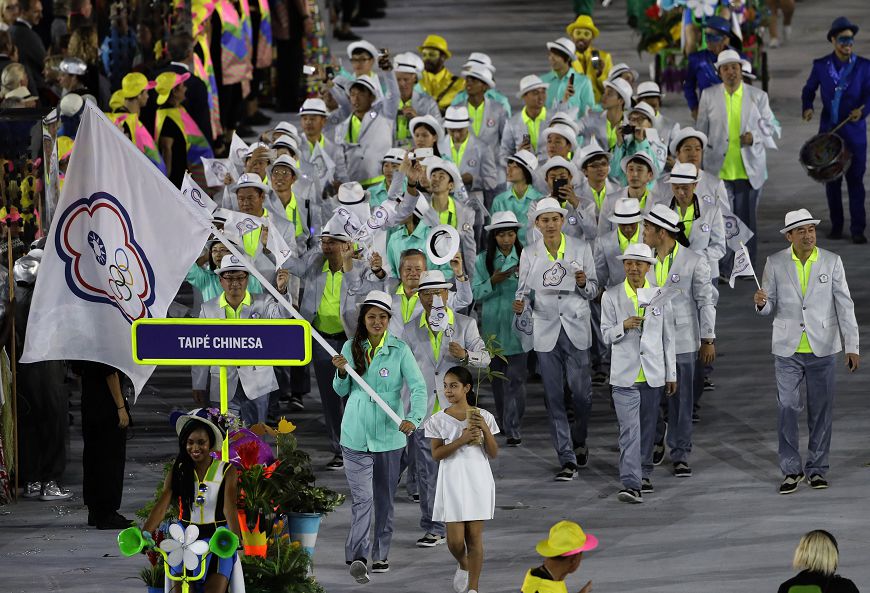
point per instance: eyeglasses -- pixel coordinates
(234, 280)
(281, 172)
(714, 37)
(845, 40)
(360, 60)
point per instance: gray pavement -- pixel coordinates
(724, 530)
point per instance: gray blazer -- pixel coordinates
(650, 348)
(694, 304)
(256, 381)
(495, 119)
(605, 225)
(457, 299)
(464, 331)
(333, 152)
(756, 117)
(594, 124)
(553, 310)
(478, 160)
(708, 230)
(609, 269)
(309, 269)
(824, 312)
(580, 222)
(514, 130)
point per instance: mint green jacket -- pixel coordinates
(497, 301)
(365, 427)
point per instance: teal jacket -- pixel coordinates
(208, 283)
(497, 301)
(365, 427)
(582, 99)
(461, 98)
(507, 201)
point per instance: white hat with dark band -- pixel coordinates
(664, 217)
(626, 211)
(682, 174)
(797, 218)
(456, 117)
(314, 107)
(379, 299)
(638, 252)
(432, 279)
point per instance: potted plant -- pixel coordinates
(153, 575)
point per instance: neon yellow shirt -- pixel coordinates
(408, 304)
(560, 253)
(599, 195)
(803, 272)
(402, 130)
(611, 134)
(237, 312)
(638, 311)
(624, 241)
(533, 584)
(534, 125)
(458, 152)
(435, 342)
(353, 129)
(371, 352)
(663, 267)
(732, 167)
(320, 143)
(449, 215)
(292, 212)
(476, 115)
(252, 239)
(688, 218)
(328, 317)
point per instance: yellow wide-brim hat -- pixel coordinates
(436, 42)
(584, 21)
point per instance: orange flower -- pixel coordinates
(285, 426)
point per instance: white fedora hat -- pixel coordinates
(638, 156)
(367, 83)
(547, 205)
(409, 63)
(504, 219)
(477, 58)
(525, 159)
(314, 106)
(363, 45)
(334, 229)
(664, 217)
(564, 46)
(394, 155)
(645, 109)
(250, 180)
(563, 118)
(481, 73)
(685, 134)
(434, 163)
(379, 299)
(567, 132)
(621, 68)
(626, 211)
(351, 193)
(288, 142)
(591, 151)
(429, 121)
(285, 161)
(433, 279)
(638, 252)
(746, 66)
(683, 173)
(622, 88)
(456, 117)
(556, 162)
(797, 218)
(530, 83)
(728, 56)
(200, 415)
(648, 89)
(442, 244)
(230, 263)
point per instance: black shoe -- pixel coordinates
(511, 442)
(859, 239)
(659, 452)
(708, 384)
(359, 571)
(835, 235)
(346, 35)
(336, 464)
(245, 131)
(375, 13)
(360, 22)
(258, 119)
(582, 454)
(790, 483)
(696, 417)
(430, 540)
(112, 521)
(415, 498)
(381, 566)
(682, 470)
(568, 473)
(646, 486)
(296, 402)
(92, 519)
(630, 495)
(817, 482)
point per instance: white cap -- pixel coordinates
(456, 117)
(314, 107)
(530, 83)
(727, 56)
(479, 59)
(364, 46)
(564, 46)
(621, 86)
(546, 205)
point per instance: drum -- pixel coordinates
(825, 157)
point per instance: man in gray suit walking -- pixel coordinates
(805, 288)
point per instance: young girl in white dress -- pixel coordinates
(465, 491)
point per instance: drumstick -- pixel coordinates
(842, 123)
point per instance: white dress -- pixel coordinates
(465, 490)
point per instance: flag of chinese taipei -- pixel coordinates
(120, 244)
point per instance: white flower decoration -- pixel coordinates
(702, 8)
(184, 545)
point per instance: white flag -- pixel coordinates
(238, 149)
(216, 171)
(736, 231)
(203, 205)
(742, 265)
(238, 224)
(121, 242)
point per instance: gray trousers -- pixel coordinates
(333, 405)
(600, 350)
(744, 204)
(818, 375)
(251, 411)
(637, 409)
(566, 361)
(680, 408)
(427, 479)
(409, 463)
(372, 479)
(510, 394)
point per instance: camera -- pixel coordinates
(628, 130)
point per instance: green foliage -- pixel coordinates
(493, 347)
(283, 570)
(153, 576)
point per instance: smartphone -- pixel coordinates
(595, 60)
(558, 184)
(330, 73)
(308, 70)
(526, 139)
(424, 153)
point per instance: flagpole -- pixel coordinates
(11, 282)
(746, 253)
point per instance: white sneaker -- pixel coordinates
(786, 32)
(51, 491)
(32, 489)
(460, 580)
(774, 43)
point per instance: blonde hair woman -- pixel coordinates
(817, 557)
(13, 76)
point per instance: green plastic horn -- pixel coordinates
(130, 541)
(223, 543)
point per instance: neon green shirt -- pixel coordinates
(688, 217)
(534, 125)
(435, 342)
(624, 241)
(476, 115)
(638, 311)
(234, 313)
(458, 152)
(328, 317)
(353, 129)
(252, 239)
(803, 272)
(449, 215)
(408, 304)
(292, 212)
(663, 267)
(732, 167)
(560, 253)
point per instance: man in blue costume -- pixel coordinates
(701, 73)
